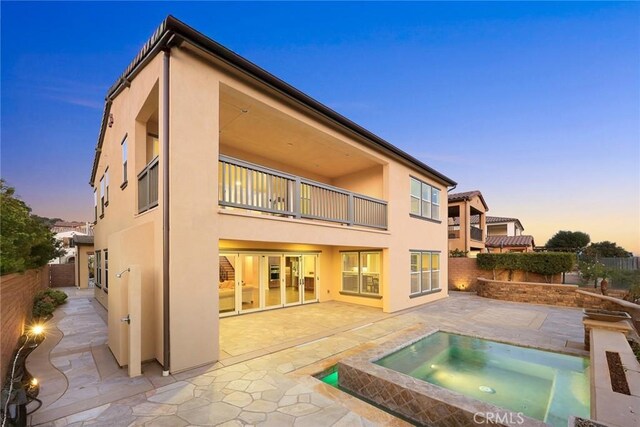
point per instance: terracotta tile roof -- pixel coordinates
(467, 195)
(509, 241)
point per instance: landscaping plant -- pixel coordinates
(45, 303)
(545, 263)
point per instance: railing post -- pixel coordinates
(297, 194)
(351, 214)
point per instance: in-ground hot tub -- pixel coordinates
(444, 377)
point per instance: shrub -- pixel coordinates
(45, 303)
(545, 263)
(457, 253)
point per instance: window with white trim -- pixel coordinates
(102, 196)
(106, 187)
(124, 160)
(361, 272)
(425, 199)
(106, 270)
(98, 261)
(425, 272)
(95, 205)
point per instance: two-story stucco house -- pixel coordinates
(233, 192)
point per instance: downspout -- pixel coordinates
(165, 214)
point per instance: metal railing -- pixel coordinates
(248, 186)
(454, 232)
(476, 233)
(148, 186)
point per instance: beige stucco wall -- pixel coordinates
(82, 265)
(125, 249)
(121, 217)
(194, 229)
(198, 226)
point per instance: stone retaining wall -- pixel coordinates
(541, 293)
(16, 293)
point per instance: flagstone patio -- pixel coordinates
(266, 380)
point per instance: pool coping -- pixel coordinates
(418, 400)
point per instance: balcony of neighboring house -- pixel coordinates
(467, 223)
(274, 163)
(476, 234)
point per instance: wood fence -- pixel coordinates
(16, 301)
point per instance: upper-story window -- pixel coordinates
(102, 196)
(106, 187)
(124, 160)
(95, 204)
(425, 200)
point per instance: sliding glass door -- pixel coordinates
(258, 281)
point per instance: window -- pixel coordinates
(361, 272)
(95, 205)
(106, 271)
(98, 269)
(124, 160)
(425, 200)
(102, 196)
(106, 187)
(425, 272)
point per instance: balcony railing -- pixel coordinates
(148, 186)
(249, 186)
(476, 233)
(454, 232)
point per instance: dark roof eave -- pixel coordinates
(172, 26)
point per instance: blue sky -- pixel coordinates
(535, 104)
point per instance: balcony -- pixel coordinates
(454, 232)
(148, 186)
(249, 186)
(476, 233)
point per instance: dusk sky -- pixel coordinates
(537, 105)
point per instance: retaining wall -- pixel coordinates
(542, 293)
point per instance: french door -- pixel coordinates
(258, 281)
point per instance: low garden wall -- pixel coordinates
(542, 293)
(16, 293)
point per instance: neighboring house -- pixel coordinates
(463, 234)
(505, 235)
(84, 260)
(79, 227)
(501, 226)
(68, 255)
(232, 191)
(64, 232)
(502, 234)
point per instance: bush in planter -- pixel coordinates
(45, 303)
(457, 253)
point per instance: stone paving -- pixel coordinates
(276, 389)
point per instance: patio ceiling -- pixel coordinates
(251, 126)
